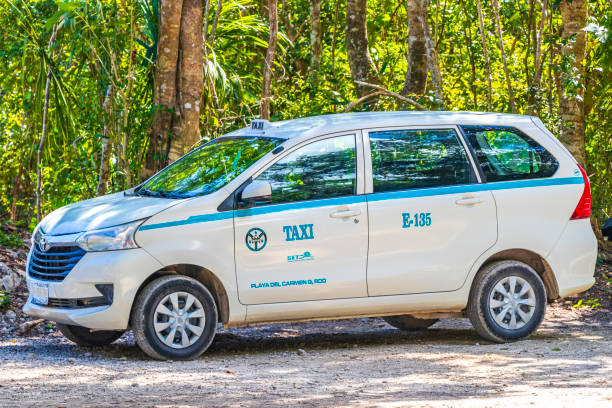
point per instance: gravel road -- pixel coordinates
(360, 362)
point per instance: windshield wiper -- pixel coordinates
(140, 191)
(169, 195)
(147, 193)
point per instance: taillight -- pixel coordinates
(583, 209)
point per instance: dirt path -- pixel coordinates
(361, 362)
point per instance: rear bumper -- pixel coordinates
(573, 258)
(126, 270)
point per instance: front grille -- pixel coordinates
(54, 264)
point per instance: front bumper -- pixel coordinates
(126, 270)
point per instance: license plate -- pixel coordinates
(39, 292)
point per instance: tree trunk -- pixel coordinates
(15, 193)
(41, 145)
(416, 75)
(191, 79)
(422, 55)
(485, 52)
(503, 55)
(205, 21)
(334, 40)
(266, 89)
(360, 61)
(571, 105)
(530, 38)
(213, 29)
(538, 60)
(165, 88)
(534, 89)
(316, 48)
(432, 59)
(43, 136)
(467, 35)
(107, 143)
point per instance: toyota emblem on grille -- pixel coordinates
(44, 244)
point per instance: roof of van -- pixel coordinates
(332, 123)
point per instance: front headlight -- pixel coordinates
(36, 234)
(110, 239)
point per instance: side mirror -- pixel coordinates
(257, 192)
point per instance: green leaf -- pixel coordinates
(53, 19)
(600, 32)
(66, 7)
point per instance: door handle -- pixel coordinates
(345, 213)
(469, 201)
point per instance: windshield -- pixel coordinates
(209, 167)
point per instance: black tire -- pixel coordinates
(85, 337)
(143, 315)
(481, 314)
(409, 323)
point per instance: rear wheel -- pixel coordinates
(174, 318)
(409, 323)
(508, 301)
(86, 337)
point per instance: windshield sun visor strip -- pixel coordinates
(426, 192)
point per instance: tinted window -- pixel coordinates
(208, 168)
(322, 169)
(506, 153)
(405, 159)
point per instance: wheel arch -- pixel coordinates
(202, 275)
(532, 259)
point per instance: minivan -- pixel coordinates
(412, 216)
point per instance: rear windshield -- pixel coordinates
(208, 168)
(506, 153)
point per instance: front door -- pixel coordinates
(310, 242)
(430, 219)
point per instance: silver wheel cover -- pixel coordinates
(179, 320)
(512, 302)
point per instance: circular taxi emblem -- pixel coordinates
(256, 239)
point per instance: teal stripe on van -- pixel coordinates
(196, 219)
(470, 188)
(395, 195)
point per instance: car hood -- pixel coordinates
(101, 212)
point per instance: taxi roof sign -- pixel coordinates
(260, 125)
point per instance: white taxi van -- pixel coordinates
(413, 216)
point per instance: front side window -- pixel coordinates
(407, 159)
(208, 168)
(319, 170)
(506, 153)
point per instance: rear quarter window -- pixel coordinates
(506, 153)
(417, 158)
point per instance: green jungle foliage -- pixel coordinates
(110, 42)
(5, 299)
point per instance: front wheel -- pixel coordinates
(174, 318)
(508, 301)
(88, 338)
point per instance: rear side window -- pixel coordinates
(506, 153)
(407, 159)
